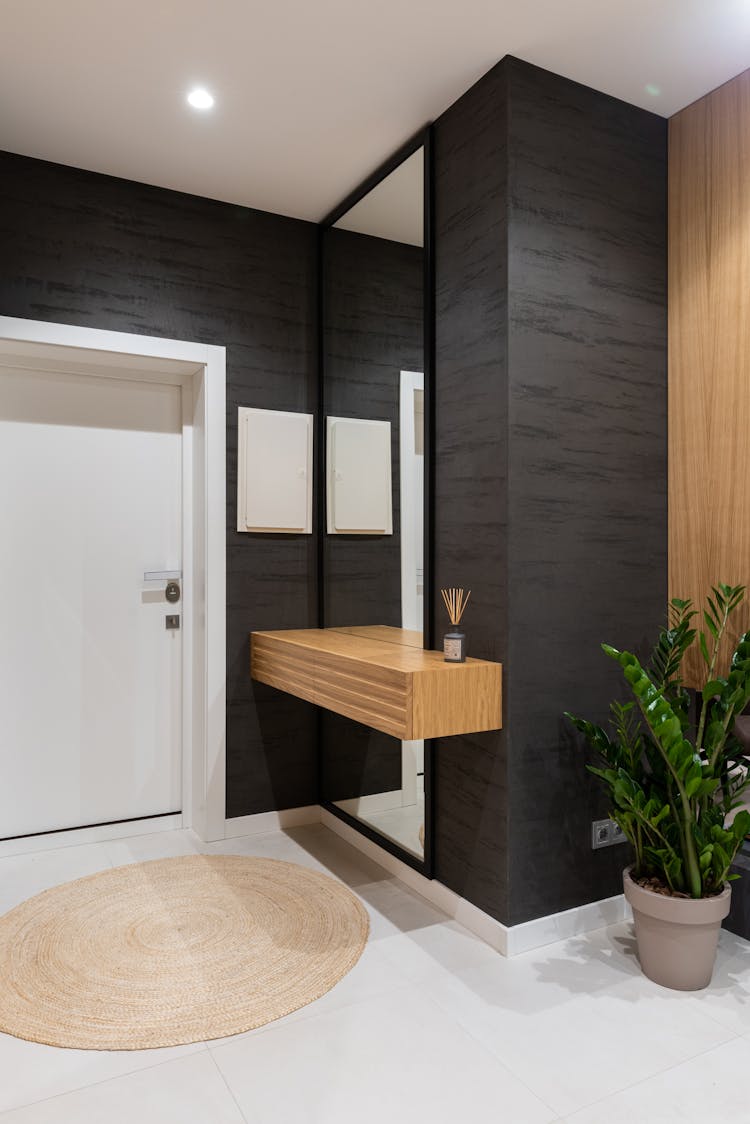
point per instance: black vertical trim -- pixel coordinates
(319, 484)
(429, 391)
(319, 488)
(429, 477)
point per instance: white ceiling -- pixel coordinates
(394, 208)
(311, 95)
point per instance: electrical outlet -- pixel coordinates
(605, 833)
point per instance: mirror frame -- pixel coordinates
(422, 139)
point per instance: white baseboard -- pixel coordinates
(570, 923)
(509, 940)
(271, 821)
(372, 804)
(478, 922)
(77, 836)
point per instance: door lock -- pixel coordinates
(172, 621)
(172, 592)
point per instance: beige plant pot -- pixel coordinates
(677, 937)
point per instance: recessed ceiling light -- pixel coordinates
(200, 98)
(652, 89)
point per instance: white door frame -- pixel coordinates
(200, 369)
(410, 381)
(411, 751)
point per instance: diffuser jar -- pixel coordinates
(454, 646)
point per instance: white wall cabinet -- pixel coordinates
(274, 477)
(358, 470)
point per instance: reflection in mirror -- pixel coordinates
(373, 337)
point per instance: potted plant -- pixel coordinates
(673, 778)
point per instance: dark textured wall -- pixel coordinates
(551, 476)
(470, 773)
(356, 760)
(588, 453)
(80, 248)
(373, 330)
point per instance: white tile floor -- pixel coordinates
(402, 825)
(431, 1025)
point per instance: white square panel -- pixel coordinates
(358, 461)
(274, 479)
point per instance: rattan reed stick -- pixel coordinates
(455, 603)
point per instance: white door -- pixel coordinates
(90, 678)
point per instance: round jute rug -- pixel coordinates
(173, 951)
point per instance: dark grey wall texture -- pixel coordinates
(471, 501)
(79, 248)
(551, 459)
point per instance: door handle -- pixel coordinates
(171, 577)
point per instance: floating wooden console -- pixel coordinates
(380, 677)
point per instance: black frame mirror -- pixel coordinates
(422, 140)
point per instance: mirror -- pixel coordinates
(373, 299)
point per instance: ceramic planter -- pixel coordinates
(677, 937)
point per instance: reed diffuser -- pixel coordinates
(454, 641)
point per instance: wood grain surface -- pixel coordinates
(391, 686)
(709, 349)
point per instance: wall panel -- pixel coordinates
(551, 460)
(709, 346)
(587, 456)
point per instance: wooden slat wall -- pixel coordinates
(709, 345)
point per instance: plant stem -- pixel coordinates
(701, 725)
(693, 866)
(638, 848)
(687, 817)
(714, 656)
(717, 750)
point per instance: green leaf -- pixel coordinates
(704, 858)
(741, 825)
(714, 735)
(704, 648)
(713, 688)
(693, 785)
